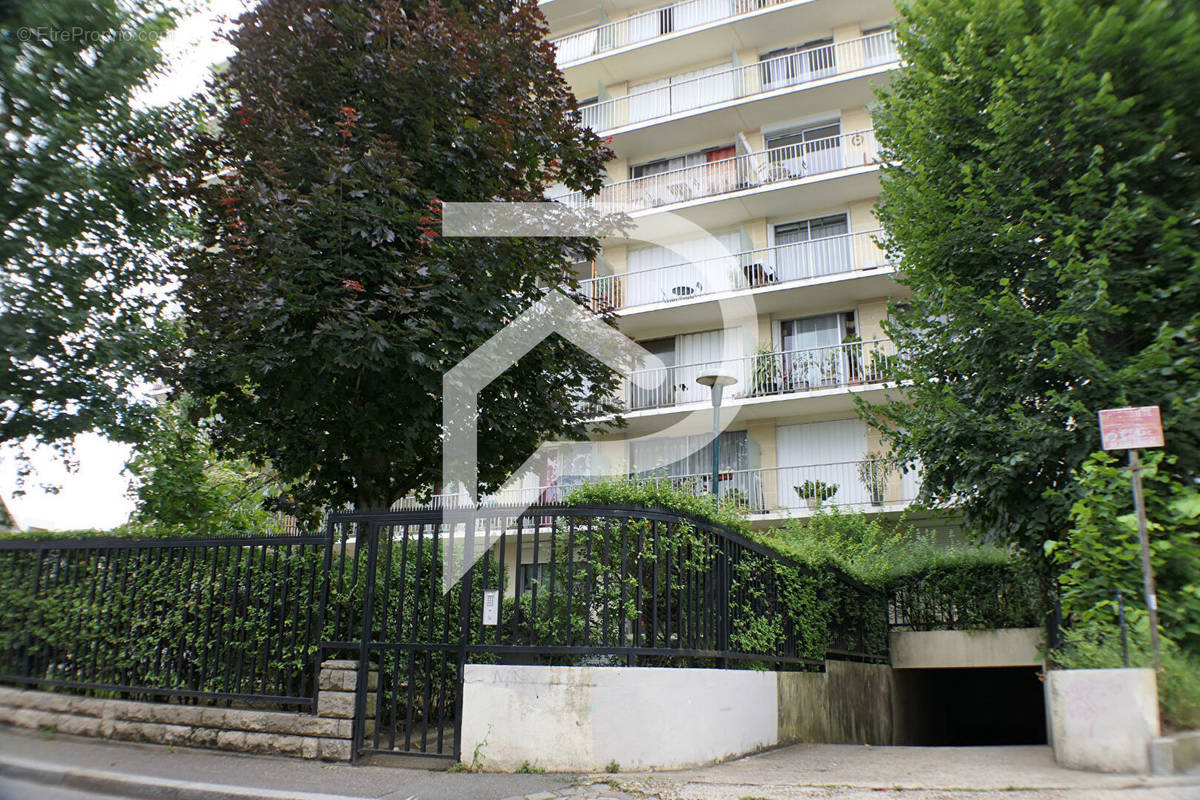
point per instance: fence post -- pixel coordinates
(326, 567)
(360, 701)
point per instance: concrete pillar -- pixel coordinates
(849, 53)
(763, 434)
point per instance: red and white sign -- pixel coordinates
(1130, 428)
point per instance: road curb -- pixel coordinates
(141, 786)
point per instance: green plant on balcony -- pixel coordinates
(874, 471)
(813, 493)
(854, 352)
(736, 498)
(767, 371)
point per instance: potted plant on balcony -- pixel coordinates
(874, 471)
(766, 371)
(853, 349)
(813, 493)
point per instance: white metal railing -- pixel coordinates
(773, 165)
(781, 72)
(865, 484)
(649, 25)
(752, 269)
(765, 373)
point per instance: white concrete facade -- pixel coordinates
(583, 718)
(1102, 720)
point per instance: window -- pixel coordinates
(679, 456)
(811, 248)
(810, 150)
(662, 393)
(529, 574)
(789, 66)
(664, 96)
(684, 183)
(812, 357)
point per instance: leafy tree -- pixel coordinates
(1043, 190)
(180, 483)
(81, 215)
(323, 307)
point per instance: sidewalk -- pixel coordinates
(837, 772)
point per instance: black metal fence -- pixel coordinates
(965, 597)
(250, 619)
(569, 585)
(223, 619)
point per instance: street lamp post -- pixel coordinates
(717, 383)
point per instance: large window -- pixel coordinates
(805, 151)
(812, 357)
(810, 248)
(789, 66)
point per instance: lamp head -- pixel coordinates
(716, 379)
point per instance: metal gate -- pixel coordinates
(386, 600)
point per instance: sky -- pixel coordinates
(94, 494)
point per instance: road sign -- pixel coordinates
(1130, 428)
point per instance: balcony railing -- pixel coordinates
(773, 165)
(752, 269)
(788, 71)
(765, 374)
(654, 24)
(867, 485)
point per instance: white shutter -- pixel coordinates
(698, 353)
(701, 87)
(698, 12)
(580, 45)
(649, 100)
(646, 281)
(820, 452)
(641, 27)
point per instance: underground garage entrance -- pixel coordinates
(967, 688)
(968, 706)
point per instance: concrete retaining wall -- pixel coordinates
(324, 736)
(582, 718)
(847, 704)
(1102, 719)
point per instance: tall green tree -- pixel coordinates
(322, 305)
(82, 215)
(1043, 190)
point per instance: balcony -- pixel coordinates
(765, 374)
(774, 167)
(653, 25)
(872, 486)
(775, 76)
(767, 268)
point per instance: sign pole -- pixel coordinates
(1139, 506)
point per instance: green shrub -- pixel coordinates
(963, 587)
(1101, 552)
(819, 608)
(651, 493)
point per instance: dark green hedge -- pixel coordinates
(965, 596)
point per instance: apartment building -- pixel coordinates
(746, 157)
(746, 160)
